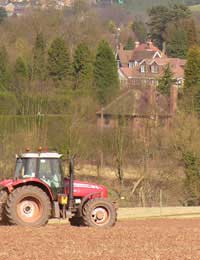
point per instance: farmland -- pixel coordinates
(133, 239)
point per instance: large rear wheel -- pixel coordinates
(28, 206)
(3, 199)
(99, 213)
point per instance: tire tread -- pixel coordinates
(11, 214)
(91, 204)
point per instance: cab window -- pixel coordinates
(50, 173)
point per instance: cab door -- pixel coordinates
(50, 172)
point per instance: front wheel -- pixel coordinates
(28, 206)
(99, 213)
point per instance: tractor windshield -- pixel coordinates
(25, 168)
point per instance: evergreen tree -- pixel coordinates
(20, 80)
(192, 173)
(59, 67)
(161, 16)
(82, 66)
(21, 68)
(179, 37)
(190, 28)
(4, 76)
(130, 44)
(166, 81)
(140, 30)
(39, 64)
(105, 73)
(192, 69)
(191, 100)
(176, 41)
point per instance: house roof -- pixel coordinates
(124, 55)
(127, 72)
(144, 54)
(165, 61)
(143, 51)
(146, 51)
(137, 102)
(147, 46)
(176, 65)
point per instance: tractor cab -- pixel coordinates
(44, 166)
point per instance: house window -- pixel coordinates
(154, 69)
(131, 64)
(142, 68)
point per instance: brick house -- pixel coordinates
(135, 106)
(132, 58)
(149, 71)
(145, 65)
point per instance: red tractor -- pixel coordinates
(39, 191)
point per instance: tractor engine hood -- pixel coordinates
(82, 189)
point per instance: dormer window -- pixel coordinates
(154, 68)
(142, 68)
(131, 64)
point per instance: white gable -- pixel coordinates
(157, 55)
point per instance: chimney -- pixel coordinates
(173, 99)
(149, 44)
(137, 44)
(164, 48)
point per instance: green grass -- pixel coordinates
(195, 8)
(144, 5)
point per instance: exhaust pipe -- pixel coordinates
(71, 184)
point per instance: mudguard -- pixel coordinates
(11, 184)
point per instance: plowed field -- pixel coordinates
(128, 240)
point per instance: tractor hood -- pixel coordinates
(82, 189)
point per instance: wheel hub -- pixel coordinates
(27, 208)
(100, 215)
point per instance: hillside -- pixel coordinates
(143, 5)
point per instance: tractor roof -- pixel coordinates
(40, 155)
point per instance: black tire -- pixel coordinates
(99, 213)
(76, 221)
(3, 200)
(28, 206)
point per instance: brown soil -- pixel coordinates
(128, 240)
